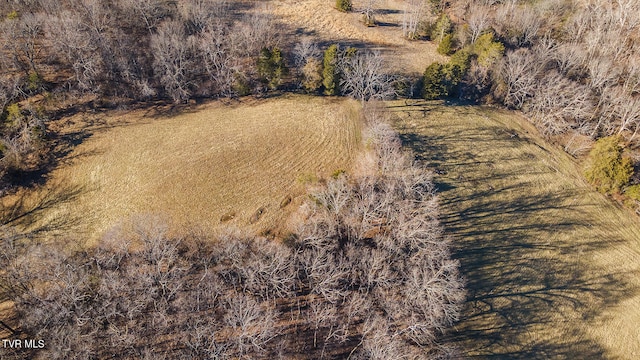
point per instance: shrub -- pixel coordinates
(264, 63)
(632, 200)
(34, 82)
(487, 50)
(446, 45)
(427, 28)
(337, 173)
(13, 113)
(442, 28)
(279, 66)
(461, 59)
(633, 192)
(241, 84)
(344, 5)
(608, 170)
(349, 52)
(330, 74)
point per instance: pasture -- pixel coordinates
(237, 164)
(552, 267)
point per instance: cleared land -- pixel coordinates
(552, 267)
(320, 19)
(194, 167)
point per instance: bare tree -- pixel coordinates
(201, 342)
(518, 25)
(304, 51)
(519, 70)
(569, 58)
(252, 324)
(9, 89)
(150, 11)
(256, 31)
(368, 9)
(559, 104)
(627, 110)
(412, 14)
(267, 270)
(363, 77)
(22, 39)
(218, 58)
(478, 21)
(201, 14)
(321, 314)
(602, 72)
(632, 79)
(75, 46)
(172, 53)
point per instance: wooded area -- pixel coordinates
(366, 273)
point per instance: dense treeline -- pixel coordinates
(133, 49)
(365, 273)
(571, 66)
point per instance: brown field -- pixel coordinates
(552, 267)
(194, 168)
(319, 18)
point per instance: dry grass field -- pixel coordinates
(319, 18)
(552, 267)
(194, 167)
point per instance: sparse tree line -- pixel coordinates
(130, 50)
(365, 274)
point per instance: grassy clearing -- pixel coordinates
(194, 168)
(321, 19)
(552, 266)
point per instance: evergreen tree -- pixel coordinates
(330, 73)
(271, 67)
(446, 45)
(434, 85)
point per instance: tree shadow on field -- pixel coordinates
(387, 24)
(24, 211)
(530, 285)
